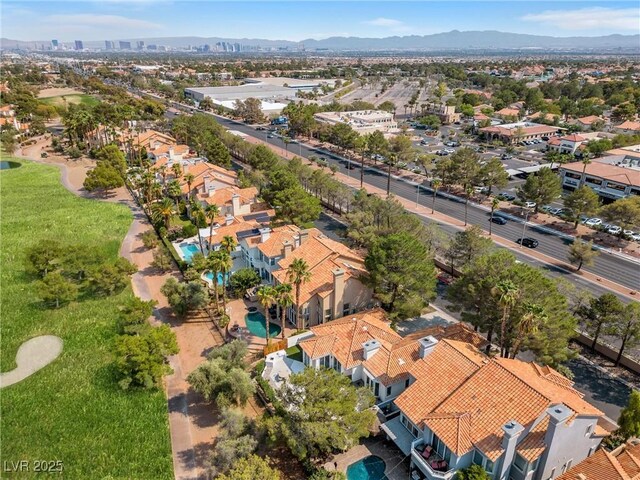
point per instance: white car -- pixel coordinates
(636, 237)
(593, 222)
(614, 230)
(628, 233)
(530, 204)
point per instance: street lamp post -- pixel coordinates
(348, 166)
(417, 195)
(524, 226)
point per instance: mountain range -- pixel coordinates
(454, 40)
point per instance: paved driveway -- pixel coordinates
(599, 388)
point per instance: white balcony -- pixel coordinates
(425, 464)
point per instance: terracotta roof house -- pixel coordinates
(628, 127)
(567, 144)
(335, 288)
(516, 419)
(508, 113)
(364, 347)
(232, 200)
(586, 122)
(623, 463)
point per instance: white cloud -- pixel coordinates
(594, 18)
(390, 24)
(89, 20)
(384, 22)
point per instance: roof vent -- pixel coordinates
(581, 476)
(401, 361)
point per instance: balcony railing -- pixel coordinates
(434, 466)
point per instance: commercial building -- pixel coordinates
(362, 121)
(79, 45)
(512, 133)
(274, 92)
(108, 45)
(125, 45)
(609, 181)
(446, 113)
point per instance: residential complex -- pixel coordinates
(622, 463)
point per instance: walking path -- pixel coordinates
(34, 354)
(192, 422)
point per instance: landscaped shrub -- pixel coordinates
(162, 260)
(149, 239)
(223, 321)
(189, 230)
(109, 279)
(74, 152)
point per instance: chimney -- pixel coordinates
(235, 204)
(427, 344)
(370, 348)
(228, 220)
(171, 152)
(553, 439)
(287, 248)
(303, 236)
(512, 431)
(209, 188)
(265, 233)
(338, 292)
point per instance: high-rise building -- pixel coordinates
(79, 45)
(125, 45)
(54, 44)
(140, 45)
(108, 45)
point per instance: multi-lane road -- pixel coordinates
(609, 266)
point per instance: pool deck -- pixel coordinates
(237, 309)
(397, 465)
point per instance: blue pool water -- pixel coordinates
(369, 468)
(209, 275)
(189, 250)
(6, 165)
(255, 324)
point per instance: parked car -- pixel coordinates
(506, 196)
(506, 156)
(593, 222)
(271, 135)
(636, 237)
(530, 204)
(614, 230)
(545, 208)
(557, 211)
(528, 242)
(628, 233)
(498, 220)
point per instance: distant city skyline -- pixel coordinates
(113, 19)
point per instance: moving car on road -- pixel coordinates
(528, 242)
(498, 220)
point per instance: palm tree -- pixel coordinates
(298, 273)
(284, 300)
(211, 212)
(507, 294)
(391, 160)
(163, 211)
(585, 161)
(177, 170)
(220, 262)
(198, 217)
(189, 178)
(435, 184)
(266, 297)
(494, 204)
(163, 173)
(534, 315)
(228, 244)
(174, 191)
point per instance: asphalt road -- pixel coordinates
(612, 267)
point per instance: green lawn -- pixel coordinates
(60, 100)
(72, 410)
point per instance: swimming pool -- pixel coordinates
(369, 468)
(6, 164)
(255, 324)
(209, 276)
(188, 250)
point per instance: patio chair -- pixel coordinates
(426, 453)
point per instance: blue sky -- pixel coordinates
(297, 20)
